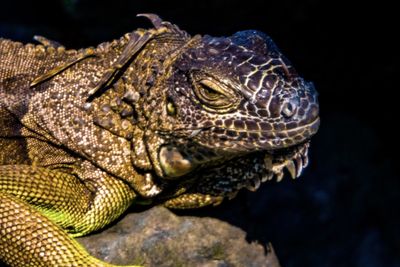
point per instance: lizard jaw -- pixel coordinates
(294, 162)
(176, 163)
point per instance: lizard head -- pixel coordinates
(234, 110)
(233, 96)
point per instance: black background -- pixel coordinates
(344, 210)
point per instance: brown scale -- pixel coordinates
(157, 115)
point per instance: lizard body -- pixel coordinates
(155, 116)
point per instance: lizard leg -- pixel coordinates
(36, 203)
(192, 200)
(28, 238)
(57, 195)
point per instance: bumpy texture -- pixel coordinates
(156, 117)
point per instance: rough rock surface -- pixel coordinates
(157, 237)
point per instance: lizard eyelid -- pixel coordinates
(214, 96)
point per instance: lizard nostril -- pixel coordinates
(288, 109)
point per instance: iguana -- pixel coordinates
(156, 117)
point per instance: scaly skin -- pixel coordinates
(157, 116)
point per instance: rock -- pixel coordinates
(158, 237)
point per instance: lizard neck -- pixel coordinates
(134, 94)
(149, 75)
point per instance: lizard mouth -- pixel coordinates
(294, 160)
(176, 163)
(251, 170)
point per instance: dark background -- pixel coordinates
(344, 210)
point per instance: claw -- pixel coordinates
(267, 176)
(305, 161)
(279, 176)
(254, 184)
(291, 168)
(299, 166)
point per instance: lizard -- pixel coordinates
(157, 117)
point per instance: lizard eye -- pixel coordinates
(214, 96)
(207, 91)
